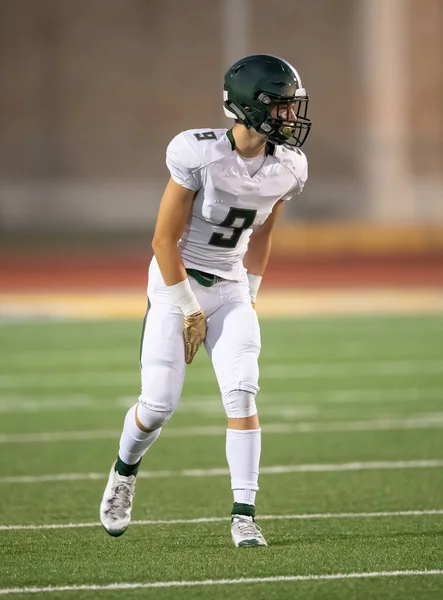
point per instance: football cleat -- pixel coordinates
(245, 532)
(116, 506)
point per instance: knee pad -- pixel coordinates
(152, 416)
(240, 403)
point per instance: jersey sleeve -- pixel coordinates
(183, 163)
(301, 176)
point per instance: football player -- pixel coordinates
(211, 245)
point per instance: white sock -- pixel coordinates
(134, 442)
(243, 454)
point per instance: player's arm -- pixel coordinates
(174, 212)
(259, 249)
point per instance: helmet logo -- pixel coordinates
(264, 98)
(266, 127)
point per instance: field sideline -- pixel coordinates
(274, 302)
(351, 487)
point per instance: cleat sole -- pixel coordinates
(115, 532)
(249, 543)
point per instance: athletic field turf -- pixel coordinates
(351, 498)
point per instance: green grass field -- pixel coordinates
(352, 418)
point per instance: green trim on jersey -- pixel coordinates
(230, 137)
(270, 147)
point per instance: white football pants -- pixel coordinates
(232, 341)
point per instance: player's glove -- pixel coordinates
(194, 332)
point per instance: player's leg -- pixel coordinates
(163, 370)
(233, 343)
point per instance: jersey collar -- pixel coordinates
(269, 149)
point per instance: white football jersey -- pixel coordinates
(229, 203)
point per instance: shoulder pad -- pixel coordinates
(208, 144)
(180, 150)
(293, 159)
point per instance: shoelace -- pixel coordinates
(121, 500)
(247, 527)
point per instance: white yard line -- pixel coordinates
(425, 421)
(268, 371)
(212, 403)
(298, 517)
(127, 356)
(72, 356)
(55, 380)
(272, 470)
(352, 368)
(342, 395)
(20, 404)
(285, 404)
(195, 405)
(212, 582)
(377, 395)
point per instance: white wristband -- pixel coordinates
(254, 284)
(184, 297)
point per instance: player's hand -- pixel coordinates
(253, 304)
(194, 332)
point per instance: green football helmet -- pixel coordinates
(266, 93)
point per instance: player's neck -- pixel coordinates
(248, 143)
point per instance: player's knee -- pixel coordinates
(153, 415)
(240, 403)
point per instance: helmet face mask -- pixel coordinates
(265, 93)
(288, 121)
